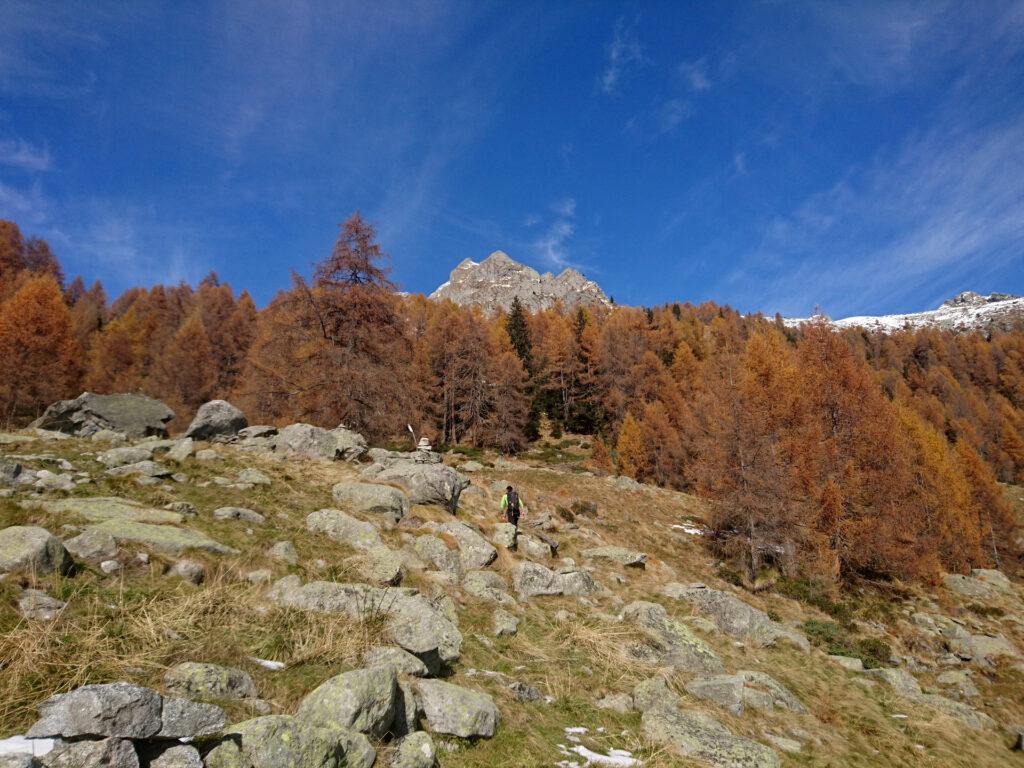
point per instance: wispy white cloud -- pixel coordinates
(695, 75)
(18, 153)
(26, 206)
(932, 216)
(623, 53)
(553, 244)
(739, 163)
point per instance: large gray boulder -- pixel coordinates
(745, 689)
(344, 529)
(675, 644)
(531, 579)
(31, 548)
(319, 443)
(282, 741)
(397, 658)
(735, 617)
(132, 415)
(171, 755)
(129, 454)
(436, 552)
(457, 711)
(117, 710)
(487, 585)
(209, 682)
(474, 550)
(186, 719)
(363, 700)
(216, 419)
(412, 621)
(97, 509)
(421, 474)
(373, 499)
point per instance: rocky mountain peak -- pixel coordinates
(494, 282)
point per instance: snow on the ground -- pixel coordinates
(957, 317)
(273, 666)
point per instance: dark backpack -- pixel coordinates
(513, 503)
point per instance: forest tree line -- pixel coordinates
(827, 454)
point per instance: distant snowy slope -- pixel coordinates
(967, 311)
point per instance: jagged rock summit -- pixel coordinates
(498, 279)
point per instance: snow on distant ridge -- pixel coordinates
(967, 311)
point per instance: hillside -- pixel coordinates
(498, 279)
(626, 645)
(965, 312)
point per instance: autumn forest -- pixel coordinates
(825, 454)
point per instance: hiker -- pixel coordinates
(512, 508)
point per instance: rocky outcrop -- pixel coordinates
(317, 443)
(672, 642)
(363, 700)
(497, 280)
(425, 479)
(216, 419)
(735, 617)
(274, 741)
(132, 415)
(344, 529)
(31, 548)
(209, 682)
(413, 622)
(620, 555)
(373, 499)
(531, 579)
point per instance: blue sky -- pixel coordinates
(776, 156)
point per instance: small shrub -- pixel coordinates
(584, 508)
(730, 575)
(838, 640)
(774, 615)
(986, 611)
(813, 593)
(565, 514)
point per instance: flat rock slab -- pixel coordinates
(700, 737)
(282, 741)
(457, 711)
(675, 644)
(163, 538)
(735, 617)
(474, 550)
(344, 529)
(97, 509)
(373, 499)
(210, 682)
(131, 415)
(628, 557)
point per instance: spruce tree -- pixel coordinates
(519, 334)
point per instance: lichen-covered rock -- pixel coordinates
(92, 545)
(318, 443)
(238, 513)
(129, 454)
(19, 760)
(217, 418)
(474, 550)
(281, 741)
(531, 579)
(132, 415)
(380, 565)
(968, 586)
(172, 756)
(31, 548)
(398, 658)
(36, 604)
(210, 682)
(436, 552)
(995, 579)
(413, 622)
(181, 450)
(425, 479)
(163, 538)
(504, 624)
(105, 753)
(253, 476)
(745, 689)
(97, 509)
(457, 711)
(362, 700)
(117, 710)
(699, 737)
(372, 499)
(487, 585)
(344, 529)
(533, 547)
(416, 750)
(905, 685)
(735, 617)
(505, 535)
(675, 643)
(141, 468)
(627, 557)
(186, 719)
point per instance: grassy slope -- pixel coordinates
(132, 626)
